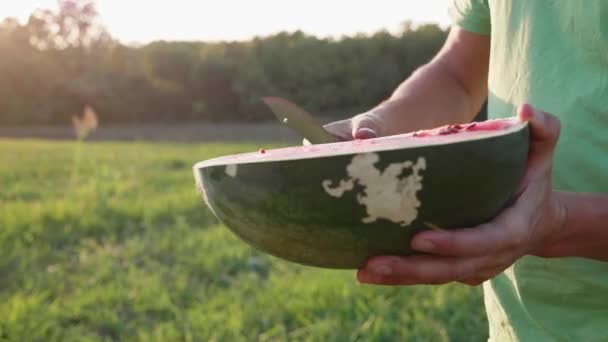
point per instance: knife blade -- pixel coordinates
(299, 120)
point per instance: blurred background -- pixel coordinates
(182, 62)
(104, 107)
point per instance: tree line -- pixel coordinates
(60, 61)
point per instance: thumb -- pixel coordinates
(544, 130)
(545, 127)
(340, 129)
(365, 126)
(362, 126)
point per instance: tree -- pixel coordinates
(76, 24)
(62, 60)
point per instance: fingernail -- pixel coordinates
(365, 133)
(382, 270)
(526, 112)
(424, 245)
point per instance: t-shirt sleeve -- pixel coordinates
(471, 15)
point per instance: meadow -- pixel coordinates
(110, 241)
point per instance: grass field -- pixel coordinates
(111, 242)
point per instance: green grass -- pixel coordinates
(110, 241)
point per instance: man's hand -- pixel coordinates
(474, 255)
(450, 89)
(363, 126)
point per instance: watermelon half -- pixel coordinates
(335, 205)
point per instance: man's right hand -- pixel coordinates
(450, 89)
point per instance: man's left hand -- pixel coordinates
(474, 255)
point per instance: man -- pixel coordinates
(543, 261)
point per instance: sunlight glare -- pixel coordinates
(143, 21)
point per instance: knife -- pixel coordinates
(299, 120)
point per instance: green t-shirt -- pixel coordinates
(552, 54)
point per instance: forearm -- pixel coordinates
(449, 89)
(585, 232)
(429, 98)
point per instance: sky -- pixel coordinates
(142, 21)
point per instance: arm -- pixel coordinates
(585, 232)
(451, 88)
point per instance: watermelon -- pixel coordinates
(335, 205)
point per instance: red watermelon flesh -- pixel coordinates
(442, 135)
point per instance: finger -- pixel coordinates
(505, 232)
(365, 126)
(475, 281)
(545, 130)
(419, 269)
(545, 127)
(472, 281)
(482, 276)
(365, 133)
(341, 129)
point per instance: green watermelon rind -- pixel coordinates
(281, 208)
